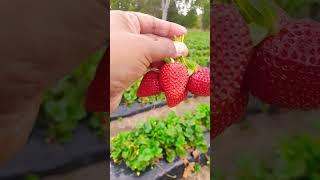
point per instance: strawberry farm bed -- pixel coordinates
(41, 158)
(161, 172)
(135, 108)
(254, 106)
(164, 168)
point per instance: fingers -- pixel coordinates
(152, 25)
(158, 48)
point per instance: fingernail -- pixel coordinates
(181, 49)
(183, 29)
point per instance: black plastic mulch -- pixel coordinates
(40, 158)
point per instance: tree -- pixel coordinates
(124, 5)
(170, 10)
(190, 20)
(164, 7)
(206, 16)
(173, 14)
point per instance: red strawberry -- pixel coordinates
(230, 56)
(157, 65)
(228, 113)
(96, 99)
(285, 71)
(149, 85)
(173, 80)
(199, 82)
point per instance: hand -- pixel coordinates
(40, 42)
(136, 41)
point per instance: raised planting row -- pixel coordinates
(162, 139)
(137, 107)
(254, 106)
(163, 170)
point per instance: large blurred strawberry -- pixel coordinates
(285, 71)
(231, 48)
(230, 54)
(96, 100)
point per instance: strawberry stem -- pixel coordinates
(191, 65)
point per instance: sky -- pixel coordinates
(184, 7)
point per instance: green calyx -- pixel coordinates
(179, 39)
(191, 65)
(262, 16)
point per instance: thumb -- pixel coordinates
(158, 48)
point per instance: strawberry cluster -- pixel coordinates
(280, 64)
(175, 77)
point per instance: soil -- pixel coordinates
(128, 123)
(204, 174)
(258, 134)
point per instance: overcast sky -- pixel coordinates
(184, 7)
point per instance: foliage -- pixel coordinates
(203, 112)
(216, 174)
(199, 51)
(198, 43)
(206, 15)
(144, 6)
(197, 167)
(161, 138)
(300, 8)
(297, 157)
(63, 108)
(31, 177)
(189, 19)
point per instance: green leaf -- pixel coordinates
(31, 177)
(170, 155)
(262, 16)
(197, 167)
(257, 33)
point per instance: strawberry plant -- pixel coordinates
(158, 139)
(198, 43)
(62, 108)
(295, 157)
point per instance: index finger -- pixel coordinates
(152, 25)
